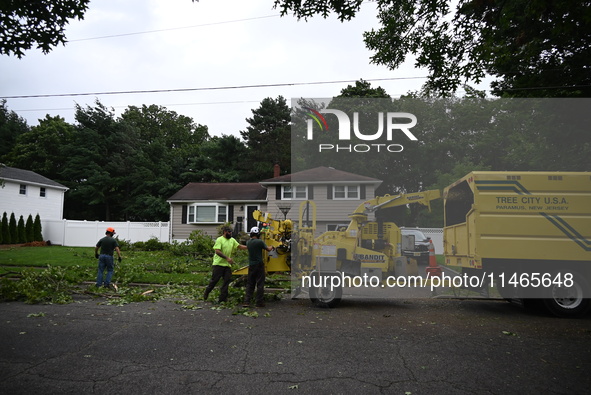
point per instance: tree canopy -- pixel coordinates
(268, 138)
(535, 48)
(41, 23)
(126, 167)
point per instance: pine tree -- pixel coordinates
(20, 231)
(12, 229)
(30, 229)
(37, 229)
(5, 232)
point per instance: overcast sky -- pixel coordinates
(158, 45)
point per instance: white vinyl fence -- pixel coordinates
(86, 233)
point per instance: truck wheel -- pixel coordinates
(326, 297)
(569, 302)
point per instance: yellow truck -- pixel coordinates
(529, 233)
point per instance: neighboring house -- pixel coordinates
(205, 206)
(25, 192)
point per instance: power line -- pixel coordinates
(200, 89)
(164, 105)
(174, 28)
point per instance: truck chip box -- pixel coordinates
(530, 232)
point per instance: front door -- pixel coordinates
(250, 221)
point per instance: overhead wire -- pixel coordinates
(200, 88)
(174, 28)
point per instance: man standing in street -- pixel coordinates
(225, 246)
(256, 268)
(108, 245)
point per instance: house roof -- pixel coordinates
(221, 191)
(27, 176)
(322, 174)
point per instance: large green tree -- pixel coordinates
(98, 165)
(535, 48)
(41, 23)
(221, 159)
(41, 149)
(268, 138)
(11, 126)
(166, 145)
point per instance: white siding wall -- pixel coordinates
(48, 207)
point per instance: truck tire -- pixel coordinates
(325, 296)
(569, 302)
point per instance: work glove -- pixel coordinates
(119, 259)
(96, 255)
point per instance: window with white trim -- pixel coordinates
(345, 192)
(23, 189)
(42, 192)
(294, 192)
(207, 213)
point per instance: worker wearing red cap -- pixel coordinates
(108, 245)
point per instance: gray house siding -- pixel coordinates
(329, 212)
(180, 229)
(267, 196)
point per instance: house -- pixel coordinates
(336, 194)
(25, 192)
(206, 206)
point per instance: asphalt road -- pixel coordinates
(412, 346)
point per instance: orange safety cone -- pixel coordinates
(433, 269)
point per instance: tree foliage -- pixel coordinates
(12, 230)
(37, 229)
(535, 48)
(220, 159)
(41, 148)
(11, 126)
(126, 167)
(5, 237)
(41, 23)
(30, 229)
(268, 139)
(454, 135)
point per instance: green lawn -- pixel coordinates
(52, 274)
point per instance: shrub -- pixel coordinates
(197, 244)
(153, 244)
(12, 229)
(37, 229)
(5, 231)
(20, 230)
(30, 229)
(123, 244)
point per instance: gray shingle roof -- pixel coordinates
(238, 191)
(321, 174)
(27, 176)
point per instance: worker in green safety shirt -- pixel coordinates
(225, 246)
(256, 268)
